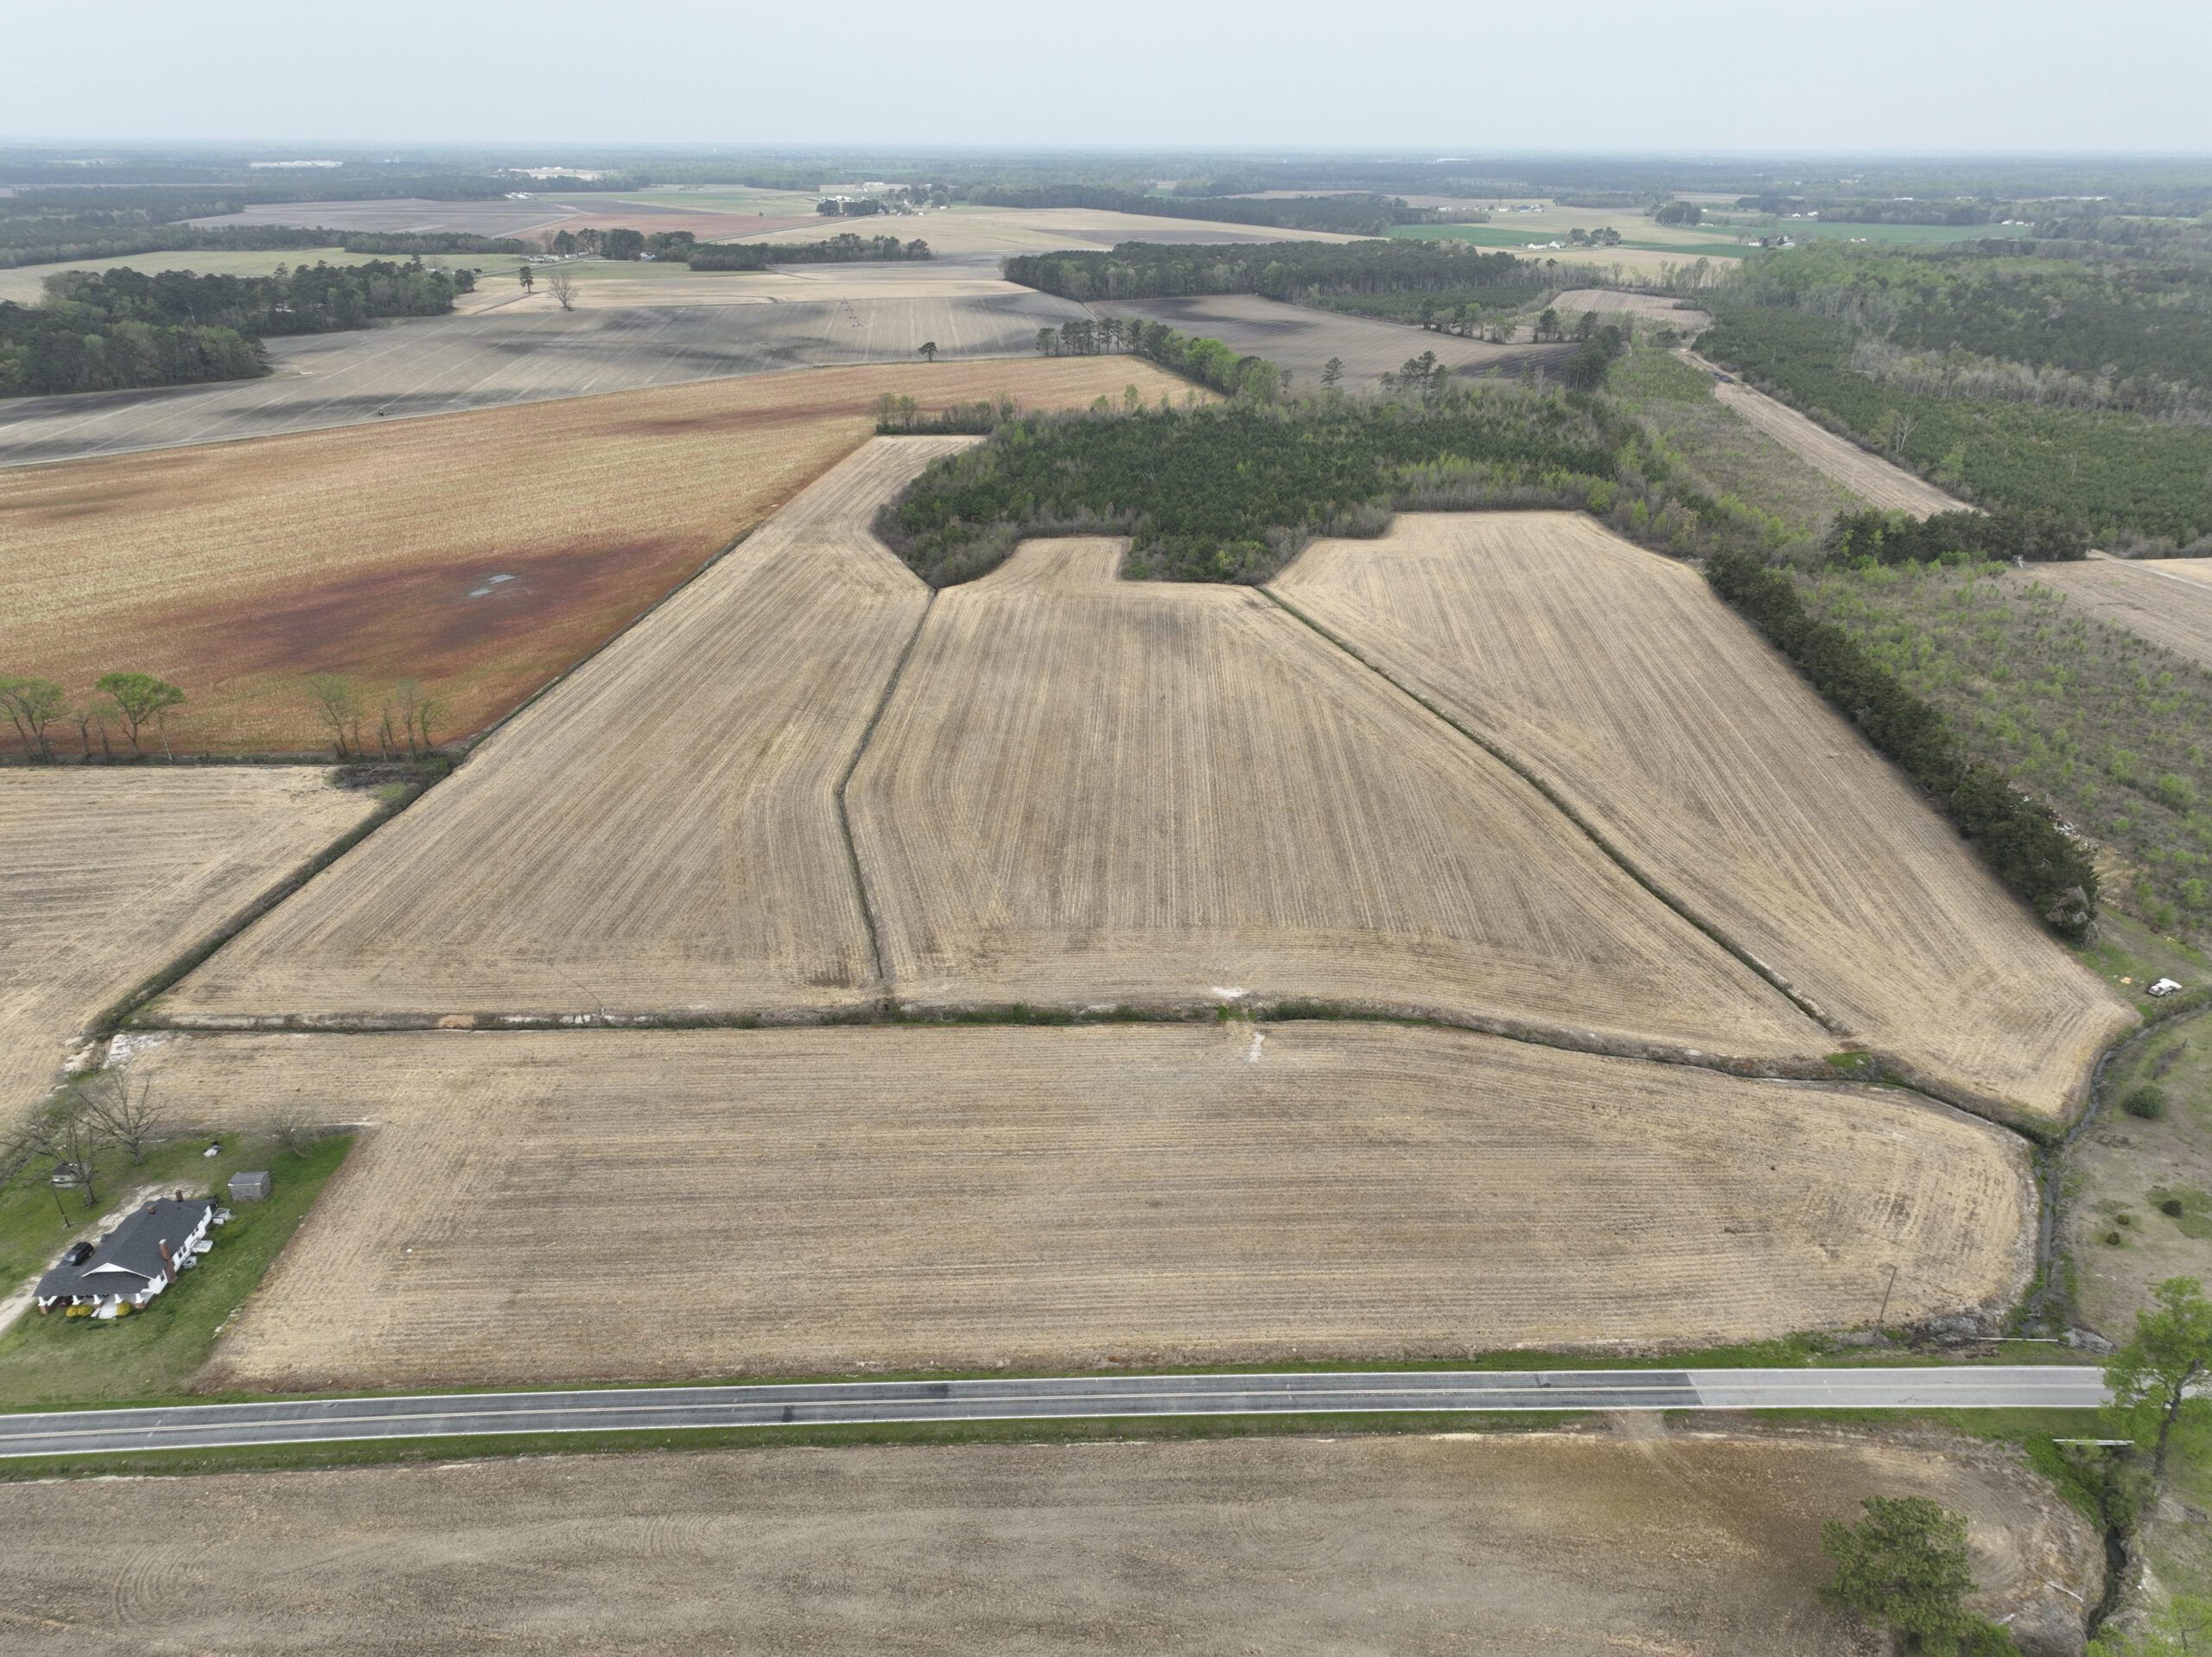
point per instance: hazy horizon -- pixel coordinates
(1717, 78)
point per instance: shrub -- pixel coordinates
(2147, 1102)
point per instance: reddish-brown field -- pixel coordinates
(236, 570)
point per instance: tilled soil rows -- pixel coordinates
(106, 877)
(1538, 1545)
(658, 834)
(1091, 790)
(537, 1206)
(1619, 679)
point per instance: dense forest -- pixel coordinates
(2131, 475)
(2142, 327)
(124, 329)
(1277, 269)
(2006, 533)
(1227, 493)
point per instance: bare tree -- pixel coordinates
(409, 694)
(83, 718)
(337, 706)
(426, 709)
(293, 1127)
(71, 1141)
(119, 1112)
(562, 286)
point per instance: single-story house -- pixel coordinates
(134, 1262)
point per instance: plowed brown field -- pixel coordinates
(1303, 340)
(1091, 790)
(106, 877)
(1617, 676)
(659, 834)
(237, 569)
(573, 1204)
(2168, 601)
(1524, 1545)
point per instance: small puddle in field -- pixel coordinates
(490, 582)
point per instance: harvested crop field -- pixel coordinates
(1703, 1544)
(1617, 676)
(397, 215)
(1876, 480)
(525, 353)
(1303, 340)
(1087, 791)
(614, 284)
(237, 571)
(2167, 600)
(112, 875)
(526, 218)
(1657, 309)
(968, 229)
(657, 835)
(960, 1196)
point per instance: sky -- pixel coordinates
(1684, 77)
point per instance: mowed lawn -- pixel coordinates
(480, 554)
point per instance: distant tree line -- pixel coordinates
(1465, 311)
(51, 226)
(2019, 837)
(1274, 270)
(683, 247)
(1360, 214)
(243, 238)
(122, 327)
(421, 241)
(842, 248)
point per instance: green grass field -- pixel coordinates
(1726, 453)
(52, 1363)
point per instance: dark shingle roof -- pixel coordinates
(129, 1257)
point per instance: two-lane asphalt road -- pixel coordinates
(638, 1409)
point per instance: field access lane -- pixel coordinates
(1044, 1397)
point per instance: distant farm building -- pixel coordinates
(133, 1263)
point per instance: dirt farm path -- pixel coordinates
(1891, 487)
